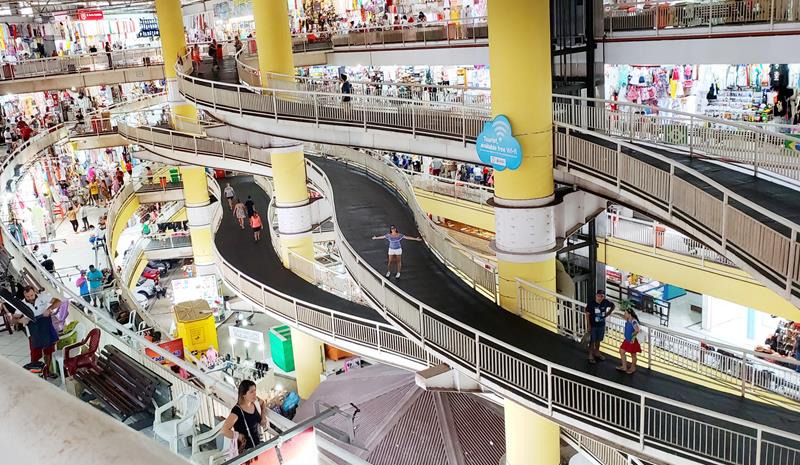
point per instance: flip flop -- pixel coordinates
(592, 361)
(630, 372)
(621, 369)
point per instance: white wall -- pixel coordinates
(410, 56)
(760, 49)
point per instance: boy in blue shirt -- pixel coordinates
(596, 313)
(95, 278)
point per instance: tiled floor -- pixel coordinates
(15, 347)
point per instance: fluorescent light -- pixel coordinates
(26, 10)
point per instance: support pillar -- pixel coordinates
(173, 44)
(274, 41)
(291, 205)
(530, 437)
(198, 213)
(309, 359)
(525, 232)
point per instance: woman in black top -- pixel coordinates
(246, 416)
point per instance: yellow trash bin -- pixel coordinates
(196, 327)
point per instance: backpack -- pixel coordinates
(212, 51)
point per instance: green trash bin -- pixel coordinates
(174, 175)
(280, 344)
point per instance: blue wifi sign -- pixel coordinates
(497, 147)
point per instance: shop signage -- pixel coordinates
(89, 15)
(496, 145)
(174, 346)
(246, 335)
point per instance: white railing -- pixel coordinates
(748, 145)
(727, 141)
(335, 282)
(459, 31)
(462, 122)
(671, 17)
(691, 200)
(71, 64)
(194, 143)
(571, 324)
(478, 272)
(555, 390)
(745, 371)
(650, 234)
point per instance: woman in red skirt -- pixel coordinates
(630, 345)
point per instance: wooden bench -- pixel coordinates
(123, 386)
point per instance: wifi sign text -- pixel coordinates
(497, 146)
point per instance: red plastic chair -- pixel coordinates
(85, 359)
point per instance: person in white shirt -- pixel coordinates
(41, 332)
(230, 194)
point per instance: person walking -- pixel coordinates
(219, 51)
(255, 223)
(630, 345)
(395, 238)
(94, 192)
(240, 212)
(95, 278)
(107, 48)
(250, 206)
(230, 194)
(347, 89)
(247, 417)
(196, 58)
(84, 214)
(83, 286)
(72, 216)
(596, 313)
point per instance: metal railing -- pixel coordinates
(743, 144)
(81, 63)
(630, 415)
(478, 272)
(470, 95)
(529, 379)
(459, 31)
(728, 141)
(782, 382)
(330, 280)
(691, 200)
(671, 17)
(648, 233)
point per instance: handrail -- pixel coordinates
(664, 16)
(71, 64)
(479, 353)
(433, 340)
(95, 313)
(617, 230)
(722, 219)
(349, 154)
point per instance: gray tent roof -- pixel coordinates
(401, 424)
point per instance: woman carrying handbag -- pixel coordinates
(247, 418)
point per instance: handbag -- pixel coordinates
(585, 339)
(247, 427)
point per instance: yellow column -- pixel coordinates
(173, 39)
(530, 438)
(173, 44)
(291, 201)
(195, 191)
(309, 358)
(525, 237)
(184, 117)
(274, 40)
